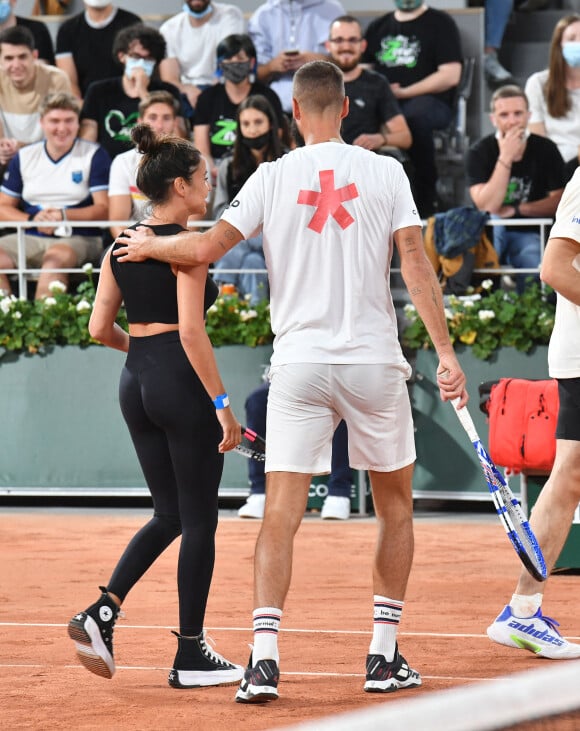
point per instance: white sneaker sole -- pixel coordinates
(184, 679)
(566, 651)
(257, 694)
(91, 650)
(391, 685)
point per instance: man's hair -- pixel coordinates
(60, 100)
(159, 97)
(17, 35)
(318, 85)
(150, 38)
(346, 19)
(509, 91)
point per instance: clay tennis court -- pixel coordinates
(54, 559)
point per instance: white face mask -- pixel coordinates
(97, 3)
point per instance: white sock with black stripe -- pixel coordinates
(386, 618)
(266, 626)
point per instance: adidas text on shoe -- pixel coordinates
(386, 677)
(260, 682)
(538, 634)
(197, 665)
(92, 633)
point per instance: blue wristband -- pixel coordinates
(222, 401)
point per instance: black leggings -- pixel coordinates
(176, 434)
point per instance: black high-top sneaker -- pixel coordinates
(197, 665)
(92, 632)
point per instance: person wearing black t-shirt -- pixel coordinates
(374, 117)
(41, 34)
(177, 411)
(215, 124)
(111, 106)
(84, 43)
(513, 174)
(419, 51)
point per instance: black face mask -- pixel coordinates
(236, 71)
(256, 143)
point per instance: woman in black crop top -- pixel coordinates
(168, 384)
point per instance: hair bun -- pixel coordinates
(144, 138)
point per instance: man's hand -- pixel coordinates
(512, 145)
(370, 141)
(8, 148)
(451, 380)
(136, 244)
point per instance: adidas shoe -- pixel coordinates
(386, 677)
(538, 634)
(92, 633)
(260, 682)
(253, 507)
(197, 665)
(335, 508)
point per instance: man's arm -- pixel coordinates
(560, 268)
(425, 291)
(542, 208)
(396, 132)
(446, 77)
(89, 130)
(186, 249)
(67, 64)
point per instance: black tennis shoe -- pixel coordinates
(92, 633)
(260, 682)
(198, 665)
(386, 677)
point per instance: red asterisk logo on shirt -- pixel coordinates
(328, 202)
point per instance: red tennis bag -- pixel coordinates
(522, 423)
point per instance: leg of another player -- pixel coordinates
(552, 515)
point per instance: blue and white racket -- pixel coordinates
(508, 508)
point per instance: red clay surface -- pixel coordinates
(52, 563)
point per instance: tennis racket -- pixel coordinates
(252, 445)
(507, 507)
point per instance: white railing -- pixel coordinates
(23, 273)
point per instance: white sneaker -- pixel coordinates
(335, 508)
(538, 634)
(253, 507)
(495, 74)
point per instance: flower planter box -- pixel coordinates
(447, 466)
(62, 428)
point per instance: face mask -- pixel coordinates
(97, 3)
(5, 11)
(408, 5)
(236, 71)
(201, 14)
(256, 143)
(146, 64)
(571, 53)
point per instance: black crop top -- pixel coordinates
(149, 287)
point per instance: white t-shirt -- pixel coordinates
(564, 350)
(328, 213)
(122, 182)
(563, 131)
(195, 48)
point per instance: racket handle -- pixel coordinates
(466, 421)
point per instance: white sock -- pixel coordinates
(266, 626)
(523, 605)
(386, 618)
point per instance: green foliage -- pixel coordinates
(489, 321)
(32, 326)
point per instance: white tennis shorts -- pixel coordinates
(307, 400)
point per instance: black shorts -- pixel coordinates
(568, 426)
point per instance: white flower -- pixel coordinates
(487, 284)
(88, 268)
(49, 302)
(448, 314)
(485, 315)
(248, 315)
(17, 314)
(56, 286)
(212, 308)
(83, 306)
(410, 312)
(468, 303)
(5, 305)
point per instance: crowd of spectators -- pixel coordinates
(210, 74)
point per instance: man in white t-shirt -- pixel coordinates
(329, 214)
(521, 623)
(192, 37)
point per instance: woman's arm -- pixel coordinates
(198, 348)
(120, 209)
(102, 325)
